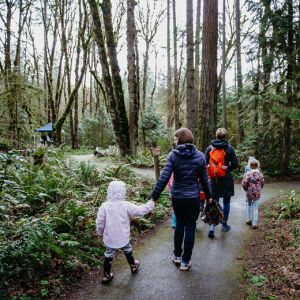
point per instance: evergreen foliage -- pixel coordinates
(47, 219)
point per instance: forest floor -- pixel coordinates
(217, 265)
(272, 260)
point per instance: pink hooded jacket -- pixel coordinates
(113, 218)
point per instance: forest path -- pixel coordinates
(216, 269)
(102, 163)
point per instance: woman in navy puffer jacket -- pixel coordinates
(190, 176)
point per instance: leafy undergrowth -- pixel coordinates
(47, 221)
(273, 255)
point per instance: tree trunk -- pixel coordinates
(23, 12)
(132, 78)
(224, 113)
(122, 140)
(7, 66)
(240, 117)
(256, 92)
(176, 81)
(169, 79)
(115, 72)
(155, 79)
(145, 76)
(75, 138)
(191, 104)
(197, 54)
(291, 63)
(46, 73)
(267, 56)
(137, 63)
(208, 86)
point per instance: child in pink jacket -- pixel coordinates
(252, 183)
(113, 223)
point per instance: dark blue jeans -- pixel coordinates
(226, 207)
(186, 212)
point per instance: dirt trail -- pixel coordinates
(215, 272)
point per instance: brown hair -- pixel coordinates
(221, 133)
(184, 136)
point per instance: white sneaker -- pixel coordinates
(176, 259)
(184, 266)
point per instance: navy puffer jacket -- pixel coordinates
(223, 186)
(190, 173)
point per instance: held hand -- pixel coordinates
(154, 201)
(224, 167)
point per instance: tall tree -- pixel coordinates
(176, 77)
(290, 81)
(224, 113)
(267, 46)
(115, 73)
(118, 118)
(240, 118)
(169, 79)
(132, 77)
(208, 86)
(191, 99)
(197, 53)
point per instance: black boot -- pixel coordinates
(107, 275)
(130, 258)
(134, 264)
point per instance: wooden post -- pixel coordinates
(155, 151)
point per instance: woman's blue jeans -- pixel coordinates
(186, 212)
(226, 207)
(226, 210)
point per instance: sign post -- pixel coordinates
(155, 152)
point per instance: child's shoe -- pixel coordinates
(211, 231)
(185, 266)
(176, 259)
(107, 277)
(249, 222)
(134, 268)
(254, 227)
(211, 234)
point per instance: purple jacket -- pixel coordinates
(252, 183)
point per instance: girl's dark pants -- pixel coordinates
(186, 211)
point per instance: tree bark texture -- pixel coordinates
(290, 77)
(197, 53)
(169, 79)
(176, 79)
(121, 139)
(115, 75)
(208, 87)
(224, 57)
(132, 77)
(191, 100)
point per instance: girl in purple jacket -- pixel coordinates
(252, 183)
